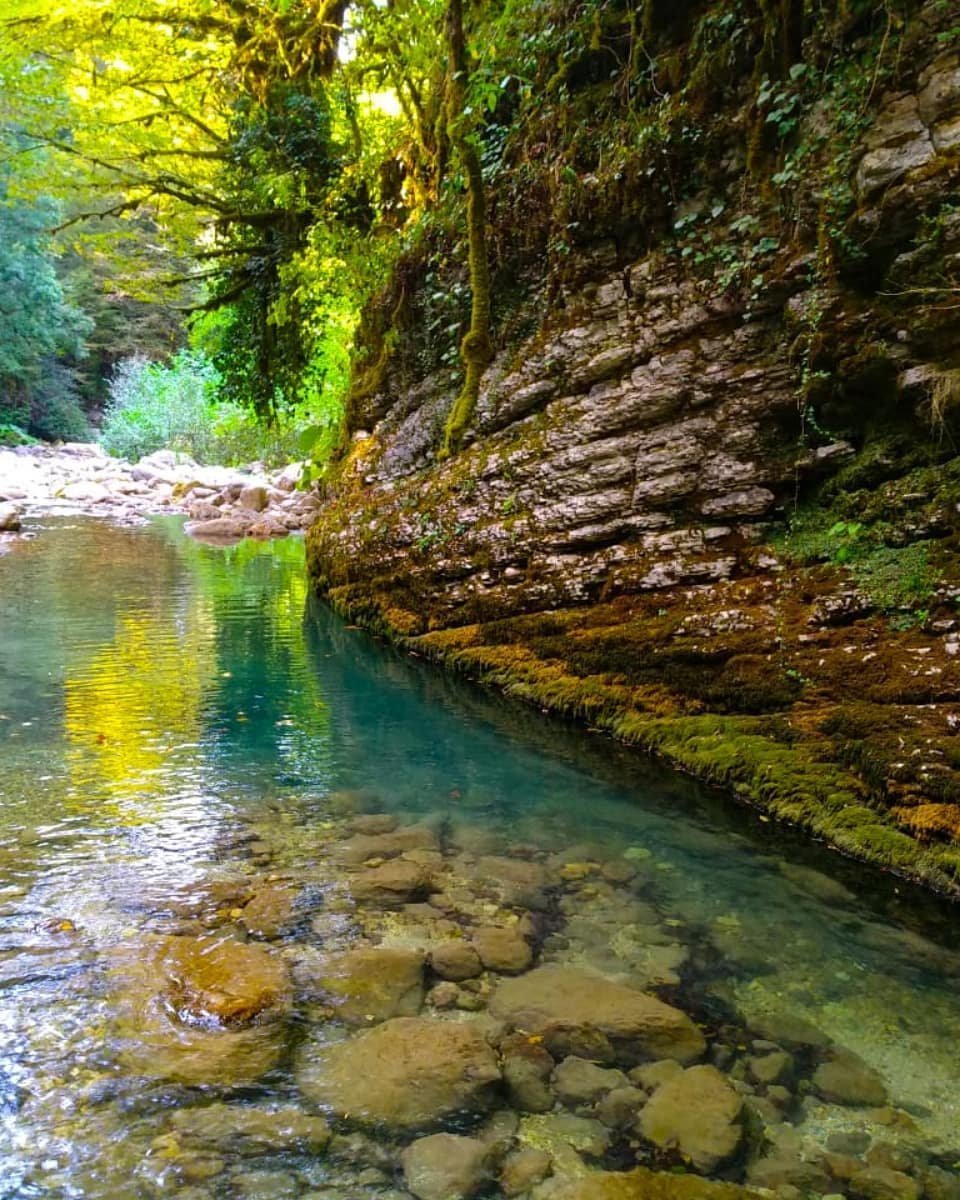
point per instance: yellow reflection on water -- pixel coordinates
(135, 707)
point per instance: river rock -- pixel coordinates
(239, 1129)
(789, 1160)
(527, 1067)
(220, 529)
(846, 1079)
(446, 1167)
(9, 518)
(393, 884)
(789, 1030)
(85, 491)
(882, 1183)
(521, 883)
(579, 1081)
(770, 1068)
(408, 1073)
(618, 1108)
(503, 949)
(367, 984)
(455, 959)
(697, 1114)
(253, 497)
(523, 1169)
(271, 912)
(374, 823)
(363, 846)
(576, 1008)
(229, 982)
(200, 1011)
(639, 1184)
(566, 1138)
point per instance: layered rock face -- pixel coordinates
(717, 521)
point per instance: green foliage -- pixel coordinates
(889, 577)
(176, 405)
(154, 406)
(13, 435)
(41, 332)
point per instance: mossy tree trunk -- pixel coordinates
(476, 349)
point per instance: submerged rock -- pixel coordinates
(367, 984)
(271, 912)
(247, 1130)
(574, 1009)
(526, 1069)
(230, 982)
(579, 1081)
(503, 949)
(523, 1169)
(697, 1113)
(639, 1184)
(408, 1073)
(393, 884)
(456, 960)
(846, 1079)
(200, 1010)
(446, 1167)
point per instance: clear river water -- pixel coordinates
(182, 728)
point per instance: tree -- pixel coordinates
(476, 349)
(42, 333)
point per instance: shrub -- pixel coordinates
(156, 406)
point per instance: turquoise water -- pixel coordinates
(179, 722)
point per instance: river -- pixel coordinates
(184, 733)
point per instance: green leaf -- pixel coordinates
(309, 438)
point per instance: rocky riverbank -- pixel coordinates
(719, 522)
(467, 1016)
(222, 503)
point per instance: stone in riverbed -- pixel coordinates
(271, 912)
(367, 984)
(446, 1167)
(394, 883)
(200, 1011)
(253, 497)
(408, 1073)
(229, 982)
(846, 1079)
(573, 1009)
(363, 846)
(519, 881)
(697, 1113)
(639, 1184)
(247, 1130)
(221, 529)
(526, 1070)
(881, 1183)
(9, 518)
(579, 1081)
(373, 823)
(523, 1169)
(503, 949)
(455, 959)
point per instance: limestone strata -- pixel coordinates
(611, 543)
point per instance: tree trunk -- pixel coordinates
(476, 349)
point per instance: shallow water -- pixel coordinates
(175, 718)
